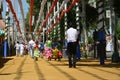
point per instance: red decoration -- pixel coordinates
(14, 14)
(31, 14)
(46, 19)
(62, 14)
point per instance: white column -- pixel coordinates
(58, 8)
(6, 23)
(54, 22)
(65, 18)
(48, 8)
(77, 16)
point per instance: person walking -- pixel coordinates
(17, 46)
(71, 35)
(48, 49)
(36, 51)
(41, 48)
(31, 47)
(21, 49)
(48, 43)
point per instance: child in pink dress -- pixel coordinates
(48, 49)
(48, 53)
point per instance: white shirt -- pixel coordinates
(31, 42)
(17, 46)
(71, 35)
(21, 46)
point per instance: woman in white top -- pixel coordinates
(31, 47)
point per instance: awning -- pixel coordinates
(2, 24)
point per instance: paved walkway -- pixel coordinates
(25, 68)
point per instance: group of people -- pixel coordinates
(38, 49)
(31, 47)
(51, 50)
(21, 48)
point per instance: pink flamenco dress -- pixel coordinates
(48, 53)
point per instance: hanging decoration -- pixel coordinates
(57, 12)
(46, 19)
(21, 8)
(22, 11)
(40, 14)
(14, 14)
(31, 14)
(62, 13)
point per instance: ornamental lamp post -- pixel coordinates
(115, 56)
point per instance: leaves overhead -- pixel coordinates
(116, 4)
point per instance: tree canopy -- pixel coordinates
(116, 5)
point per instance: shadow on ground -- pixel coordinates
(92, 63)
(110, 65)
(3, 61)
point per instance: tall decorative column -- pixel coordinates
(48, 8)
(54, 32)
(77, 16)
(100, 5)
(65, 18)
(101, 32)
(58, 8)
(6, 41)
(85, 51)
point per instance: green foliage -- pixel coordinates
(90, 40)
(71, 16)
(52, 34)
(116, 5)
(28, 1)
(37, 4)
(62, 30)
(27, 20)
(118, 33)
(91, 15)
(56, 35)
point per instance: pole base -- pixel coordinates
(115, 57)
(102, 61)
